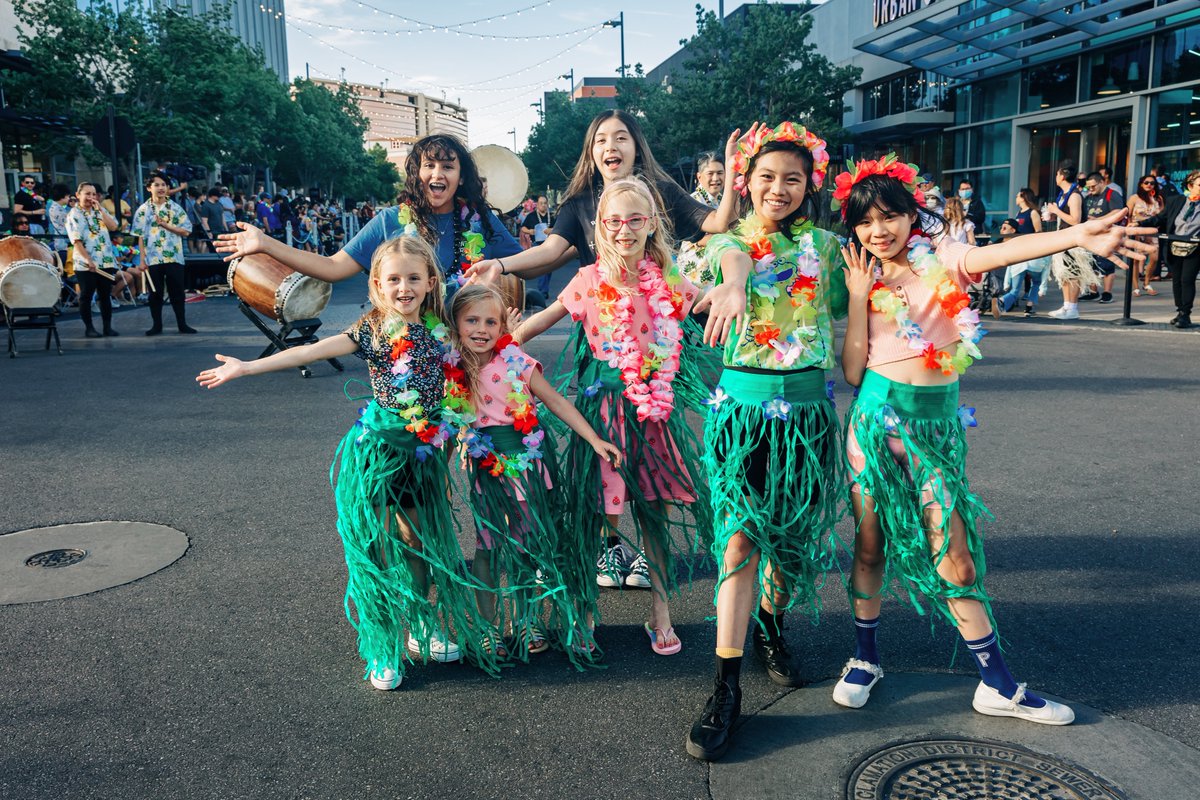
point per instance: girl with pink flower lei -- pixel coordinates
(916, 519)
(492, 391)
(771, 436)
(629, 308)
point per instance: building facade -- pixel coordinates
(1007, 91)
(397, 118)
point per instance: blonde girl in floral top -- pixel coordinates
(88, 225)
(161, 223)
(771, 436)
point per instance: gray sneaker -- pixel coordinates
(612, 566)
(639, 573)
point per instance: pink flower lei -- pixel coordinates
(647, 373)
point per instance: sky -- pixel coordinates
(407, 45)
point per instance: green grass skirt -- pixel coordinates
(925, 421)
(527, 539)
(790, 519)
(375, 466)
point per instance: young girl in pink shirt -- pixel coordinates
(629, 308)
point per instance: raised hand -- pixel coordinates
(726, 306)
(230, 368)
(732, 143)
(486, 272)
(859, 271)
(1106, 237)
(243, 242)
(514, 319)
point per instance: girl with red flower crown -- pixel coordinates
(492, 386)
(916, 519)
(771, 436)
(393, 517)
(631, 367)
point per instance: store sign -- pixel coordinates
(891, 10)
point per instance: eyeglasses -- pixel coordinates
(1150, 182)
(635, 223)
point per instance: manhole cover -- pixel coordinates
(971, 769)
(53, 559)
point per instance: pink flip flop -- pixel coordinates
(659, 635)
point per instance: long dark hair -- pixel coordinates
(890, 196)
(443, 147)
(807, 206)
(585, 179)
(1142, 193)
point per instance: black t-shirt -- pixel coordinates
(27, 201)
(576, 220)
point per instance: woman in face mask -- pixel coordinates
(974, 207)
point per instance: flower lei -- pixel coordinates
(431, 434)
(460, 410)
(803, 269)
(954, 302)
(647, 373)
(751, 143)
(889, 166)
(468, 244)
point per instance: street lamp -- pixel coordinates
(541, 111)
(619, 23)
(571, 76)
(514, 135)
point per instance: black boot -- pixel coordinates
(1185, 321)
(710, 736)
(773, 653)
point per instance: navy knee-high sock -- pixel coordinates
(865, 650)
(994, 671)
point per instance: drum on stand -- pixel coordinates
(30, 275)
(276, 290)
(513, 290)
(506, 181)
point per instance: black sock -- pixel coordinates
(613, 541)
(771, 623)
(729, 670)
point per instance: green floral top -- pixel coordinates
(794, 291)
(88, 227)
(159, 245)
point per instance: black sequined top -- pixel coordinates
(426, 377)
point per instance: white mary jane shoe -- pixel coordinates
(989, 701)
(853, 695)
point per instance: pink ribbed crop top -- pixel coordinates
(884, 345)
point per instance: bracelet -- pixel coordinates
(500, 261)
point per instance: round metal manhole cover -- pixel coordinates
(971, 769)
(71, 560)
(54, 559)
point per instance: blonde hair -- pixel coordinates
(954, 212)
(403, 246)
(473, 363)
(658, 245)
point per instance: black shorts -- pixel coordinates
(1104, 267)
(758, 464)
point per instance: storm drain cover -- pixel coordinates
(70, 560)
(971, 769)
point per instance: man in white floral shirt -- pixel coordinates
(88, 225)
(160, 223)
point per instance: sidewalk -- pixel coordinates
(1155, 311)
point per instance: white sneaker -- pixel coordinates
(385, 679)
(639, 573)
(612, 566)
(853, 695)
(989, 701)
(440, 648)
(1064, 313)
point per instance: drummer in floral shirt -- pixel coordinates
(88, 225)
(160, 223)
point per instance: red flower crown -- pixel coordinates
(890, 165)
(750, 144)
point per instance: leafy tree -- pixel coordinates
(322, 136)
(372, 178)
(555, 142)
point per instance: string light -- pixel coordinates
(491, 36)
(432, 26)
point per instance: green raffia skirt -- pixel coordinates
(519, 522)
(377, 477)
(776, 477)
(907, 450)
(660, 468)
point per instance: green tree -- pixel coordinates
(322, 137)
(372, 178)
(554, 143)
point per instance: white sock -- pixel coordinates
(1071, 306)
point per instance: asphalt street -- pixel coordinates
(233, 672)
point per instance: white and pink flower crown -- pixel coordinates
(750, 144)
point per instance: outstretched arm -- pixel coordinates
(726, 304)
(250, 239)
(1104, 236)
(726, 213)
(562, 408)
(528, 264)
(540, 322)
(340, 345)
(860, 276)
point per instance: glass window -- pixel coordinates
(1116, 71)
(961, 142)
(1178, 56)
(1174, 118)
(990, 144)
(1050, 85)
(995, 97)
(992, 187)
(962, 105)
(1178, 163)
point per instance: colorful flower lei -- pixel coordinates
(751, 143)
(803, 269)
(431, 434)
(954, 302)
(649, 372)
(890, 166)
(520, 406)
(468, 244)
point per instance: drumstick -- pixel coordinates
(146, 278)
(105, 274)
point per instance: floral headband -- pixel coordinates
(890, 166)
(750, 144)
